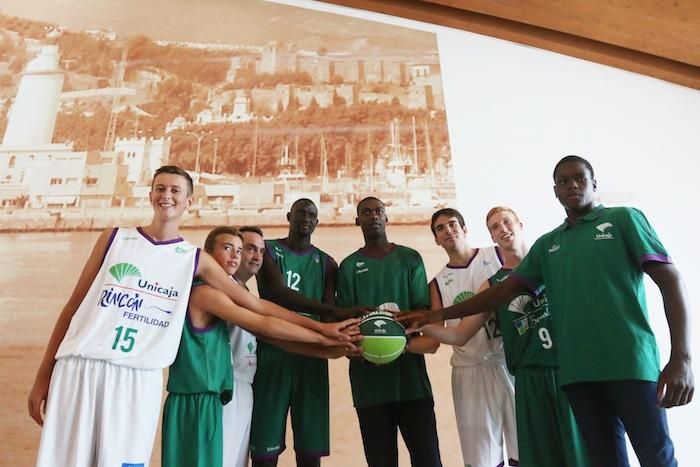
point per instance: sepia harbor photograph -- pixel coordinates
(275, 103)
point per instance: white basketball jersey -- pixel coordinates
(243, 347)
(243, 352)
(457, 284)
(134, 310)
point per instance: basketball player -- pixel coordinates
(285, 381)
(396, 395)
(238, 412)
(592, 267)
(547, 433)
(200, 378)
(482, 388)
(101, 378)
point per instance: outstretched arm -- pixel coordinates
(273, 279)
(211, 300)
(271, 276)
(425, 343)
(313, 350)
(485, 301)
(676, 385)
(40, 389)
(211, 273)
(461, 334)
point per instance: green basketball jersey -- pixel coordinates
(397, 278)
(203, 362)
(593, 275)
(285, 380)
(526, 326)
(303, 272)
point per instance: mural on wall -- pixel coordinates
(262, 102)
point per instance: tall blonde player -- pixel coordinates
(482, 388)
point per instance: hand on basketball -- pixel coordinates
(343, 331)
(352, 329)
(415, 320)
(675, 386)
(353, 351)
(37, 400)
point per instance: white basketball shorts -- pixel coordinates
(100, 415)
(484, 400)
(237, 417)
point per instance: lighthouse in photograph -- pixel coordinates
(33, 115)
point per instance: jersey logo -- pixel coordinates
(519, 303)
(603, 227)
(533, 311)
(603, 235)
(179, 249)
(447, 278)
(360, 265)
(462, 296)
(121, 270)
(486, 262)
(158, 308)
(554, 248)
(521, 325)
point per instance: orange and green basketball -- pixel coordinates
(383, 338)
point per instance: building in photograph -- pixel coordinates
(142, 156)
(241, 109)
(348, 69)
(36, 172)
(278, 57)
(238, 64)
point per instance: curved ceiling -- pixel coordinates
(659, 38)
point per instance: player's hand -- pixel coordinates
(675, 386)
(354, 351)
(350, 350)
(413, 321)
(343, 331)
(37, 399)
(352, 330)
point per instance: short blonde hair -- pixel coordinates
(498, 209)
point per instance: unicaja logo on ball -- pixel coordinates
(379, 324)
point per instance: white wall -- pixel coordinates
(514, 111)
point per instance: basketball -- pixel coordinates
(383, 338)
